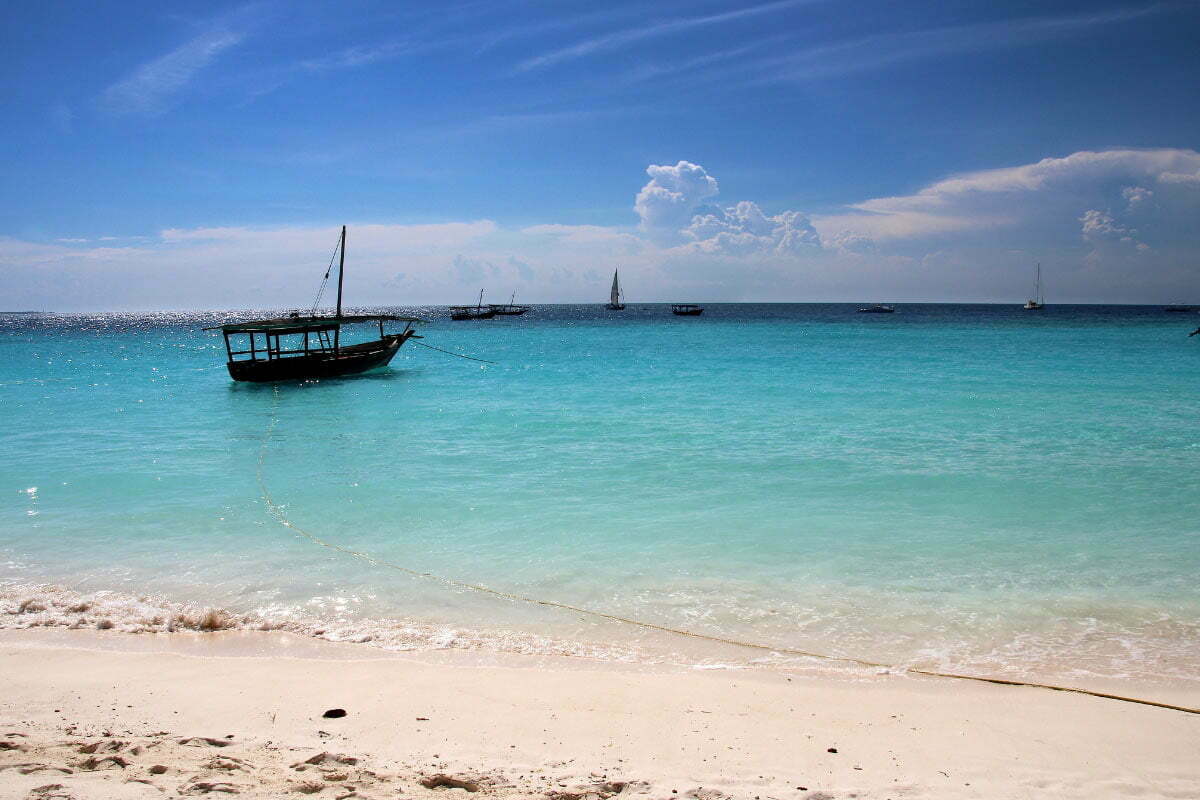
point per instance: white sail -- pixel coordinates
(615, 297)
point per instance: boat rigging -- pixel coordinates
(305, 347)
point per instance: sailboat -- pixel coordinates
(477, 311)
(509, 309)
(1038, 301)
(307, 347)
(614, 297)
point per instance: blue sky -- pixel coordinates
(192, 155)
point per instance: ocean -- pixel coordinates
(968, 487)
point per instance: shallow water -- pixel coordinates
(975, 487)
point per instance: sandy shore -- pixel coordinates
(88, 714)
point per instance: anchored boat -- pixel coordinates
(304, 347)
(878, 308)
(477, 311)
(509, 309)
(687, 310)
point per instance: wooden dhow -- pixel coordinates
(310, 346)
(477, 311)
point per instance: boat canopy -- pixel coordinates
(300, 324)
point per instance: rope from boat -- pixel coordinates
(450, 353)
(325, 281)
(277, 512)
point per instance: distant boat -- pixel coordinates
(878, 308)
(614, 297)
(307, 347)
(687, 310)
(1180, 309)
(1038, 301)
(509, 309)
(477, 311)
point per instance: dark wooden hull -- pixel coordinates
(349, 361)
(472, 315)
(615, 306)
(693, 313)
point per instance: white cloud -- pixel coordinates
(1108, 226)
(1051, 192)
(148, 89)
(1136, 196)
(359, 55)
(471, 270)
(619, 39)
(1180, 177)
(673, 211)
(280, 267)
(849, 242)
(666, 204)
(879, 51)
(586, 234)
(1100, 225)
(744, 230)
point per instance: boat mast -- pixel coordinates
(337, 331)
(479, 306)
(341, 271)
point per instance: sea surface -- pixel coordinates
(967, 487)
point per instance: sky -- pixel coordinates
(204, 155)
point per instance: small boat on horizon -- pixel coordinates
(306, 347)
(1038, 302)
(509, 309)
(1180, 308)
(614, 297)
(878, 308)
(686, 309)
(477, 311)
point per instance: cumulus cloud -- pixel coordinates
(673, 212)
(666, 204)
(1100, 225)
(1136, 196)
(743, 229)
(849, 242)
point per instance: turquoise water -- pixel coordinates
(974, 487)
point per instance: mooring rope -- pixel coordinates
(277, 512)
(451, 353)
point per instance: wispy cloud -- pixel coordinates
(878, 51)
(360, 56)
(659, 70)
(621, 38)
(151, 86)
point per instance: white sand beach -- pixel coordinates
(95, 714)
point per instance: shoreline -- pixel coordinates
(143, 623)
(544, 726)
